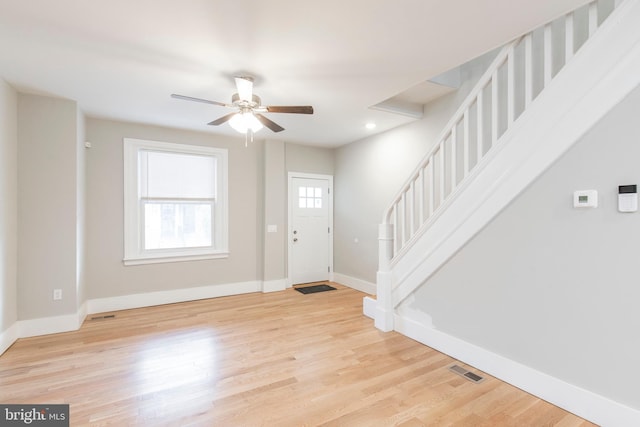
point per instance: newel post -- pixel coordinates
(384, 307)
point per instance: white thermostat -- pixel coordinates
(585, 199)
(627, 198)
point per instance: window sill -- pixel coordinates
(175, 258)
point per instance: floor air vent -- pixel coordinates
(465, 373)
(108, 316)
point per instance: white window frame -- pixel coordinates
(134, 252)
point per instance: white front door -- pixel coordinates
(309, 230)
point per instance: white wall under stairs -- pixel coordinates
(597, 78)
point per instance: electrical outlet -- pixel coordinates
(57, 294)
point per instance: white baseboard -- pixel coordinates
(82, 313)
(50, 325)
(8, 337)
(274, 285)
(354, 283)
(72, 322)
(586, 404)
(149, 299)
(369, 307)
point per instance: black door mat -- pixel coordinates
(315, 288)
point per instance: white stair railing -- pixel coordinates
(519, 73)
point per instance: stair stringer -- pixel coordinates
(600, 75)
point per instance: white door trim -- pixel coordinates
(291, 198)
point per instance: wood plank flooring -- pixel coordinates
(277, 359)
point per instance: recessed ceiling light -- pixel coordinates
(370, 125)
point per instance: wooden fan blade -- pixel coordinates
(245, 88)
(222, 119)
(299, 109)
(190, 98)
(269, 123)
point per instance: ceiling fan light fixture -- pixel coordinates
(244, 121)
(247, 118)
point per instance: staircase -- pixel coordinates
(542, 92)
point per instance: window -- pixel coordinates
(175, 202)
(310, 197)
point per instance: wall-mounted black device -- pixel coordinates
(627, 198)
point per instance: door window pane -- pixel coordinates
(310, 197)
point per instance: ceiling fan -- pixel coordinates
(248, 115)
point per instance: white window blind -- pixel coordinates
(175, 202)
(177, 176)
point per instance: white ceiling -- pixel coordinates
(121, 59)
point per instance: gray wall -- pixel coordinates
(8, 206)
(307, 159)
(47, 206)
(106, 274)
(553, 287)
(69, 199)
(368, 173)
(281, 158)
(257, 197)
(275, 203)
(81, 206)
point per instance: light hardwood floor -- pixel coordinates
(278, 359)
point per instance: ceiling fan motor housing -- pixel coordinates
(236, 101)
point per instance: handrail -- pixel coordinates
(503, 93)
(455, 119)
(500, 96)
